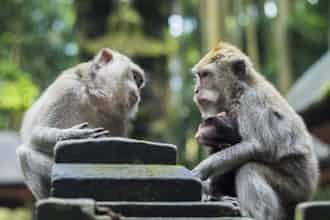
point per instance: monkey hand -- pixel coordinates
(218, 131)
(81, 131)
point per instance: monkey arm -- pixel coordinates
(226, 160)
(44, 138)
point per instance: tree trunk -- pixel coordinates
(155, 96)
(282, 47)
(252, 37)
(212, 17)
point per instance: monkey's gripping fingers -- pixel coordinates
(81, 126)
(80, 132)
(101, 134)
(225, 160)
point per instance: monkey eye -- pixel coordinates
(203, 74)
(138, 78)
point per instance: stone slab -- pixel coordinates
(67, 209)
(114, 150)
(114, 182)
(88, 209)
(172, 209)
(186, 218)
(318, 210)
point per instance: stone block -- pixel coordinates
(122, 182)
(114, 150)
(172, 209)
(88, 209)
(318, 210)
(187, 218)
(67, 209)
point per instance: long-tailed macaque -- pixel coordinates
(92, 99)
(274, 164)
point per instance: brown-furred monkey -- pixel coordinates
(274, 163)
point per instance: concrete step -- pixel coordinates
(172, 209)
(122, 182)
(88, 209)
(114, 150)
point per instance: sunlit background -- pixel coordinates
(288, 42)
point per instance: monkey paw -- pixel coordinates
(81, 131)
(232, 201)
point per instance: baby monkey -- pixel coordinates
(217, 133)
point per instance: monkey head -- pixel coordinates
(117, 80)
(218, 132)
(218, 76)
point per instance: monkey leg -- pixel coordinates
(256, 196)
(36, 169)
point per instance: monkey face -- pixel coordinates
(217, 76)
(119, 79)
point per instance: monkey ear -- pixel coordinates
(102, 58)
(239, 67)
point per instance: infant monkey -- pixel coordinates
(217, 133)
(90, 100)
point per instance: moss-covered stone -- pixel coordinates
(105, 182)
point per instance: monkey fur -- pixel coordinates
(90, 100)
(274, 164)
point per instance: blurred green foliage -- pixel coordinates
(36, 43)
(15, 214)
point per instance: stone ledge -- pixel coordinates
(318, 210)
(67, 209)
(109, 182)
(172, 209)
(114, 150)
(88, 209)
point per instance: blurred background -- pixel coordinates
(287, 40)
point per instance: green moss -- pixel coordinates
(132, 44)
(126, 35)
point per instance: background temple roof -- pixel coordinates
(308, 89)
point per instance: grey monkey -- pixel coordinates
(274, 163)
(90, 100)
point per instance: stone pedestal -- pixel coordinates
(138, 179)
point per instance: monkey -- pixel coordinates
(216, 133)
(274, 163)
(90, 100)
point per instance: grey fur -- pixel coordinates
(89, 100)
(277, 167)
